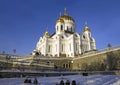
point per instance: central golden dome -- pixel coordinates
(65, 17)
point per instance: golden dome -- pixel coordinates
(87, 29)
(65, 17)
(60, 20)
(46, 34)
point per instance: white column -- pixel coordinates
(58, 46)
(72, 46)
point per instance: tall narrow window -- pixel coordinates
(50, 48)
(61, 27)
(63, 65)
(84, 36)
(71, 29)
(62, 37)
(67, 28)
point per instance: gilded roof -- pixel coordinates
(65, 17)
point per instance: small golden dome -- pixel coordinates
(46, 34)
(87, 29)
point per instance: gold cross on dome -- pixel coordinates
(86, 23)
(46, 28)
(65, 9)
(60, 14)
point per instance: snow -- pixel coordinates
(80, 80)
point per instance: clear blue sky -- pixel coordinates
(22, 22)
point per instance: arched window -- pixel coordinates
(49, 48)
(63, 65)
(75, 35)
(84, 36)
(62, 37)
(61, 27)
(71, 29)
(67, 28)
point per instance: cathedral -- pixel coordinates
(65, 41)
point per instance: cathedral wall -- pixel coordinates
(80, 63)
(99, 61)
(95, 60)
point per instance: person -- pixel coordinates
(67, 82)
(61, 82)
(35, 81)
(26, 80)
(73, 82)
(29, 80)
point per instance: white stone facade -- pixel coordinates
(65, 42)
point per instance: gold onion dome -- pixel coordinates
(60, 20)
(87, 29)
(65, 17)
(46, 34)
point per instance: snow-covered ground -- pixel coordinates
(80, 80)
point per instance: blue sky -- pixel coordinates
(22, 22)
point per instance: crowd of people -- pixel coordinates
(35, 82)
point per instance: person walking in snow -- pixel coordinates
(67, 82)
(35, 81)
(61, 82)
(73, 82)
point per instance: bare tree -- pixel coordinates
(14, 51)
(3, 52)
(109, 45)
(112, 60)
